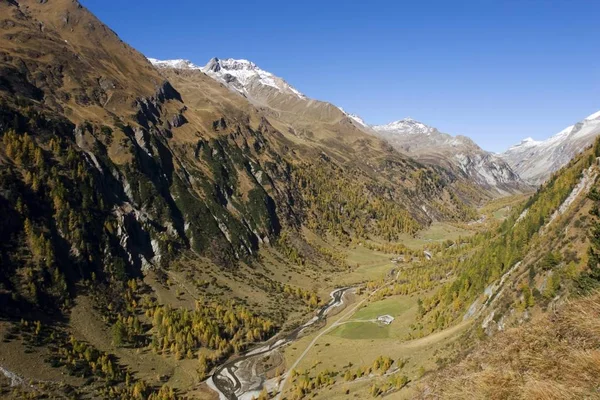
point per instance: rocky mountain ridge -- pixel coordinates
(408, 136)
(458, 153)
(159, 221)
(174, 162)
(536, 160)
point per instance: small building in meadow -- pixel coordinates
(385, 319)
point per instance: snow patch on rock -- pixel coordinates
(406, 126)
(241, 75)
(355, 118)
(535, 160)
(177, 64)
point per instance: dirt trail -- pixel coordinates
(411, 344)
(435, 337)
(314, 341)
(337, 323)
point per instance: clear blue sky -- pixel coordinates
(497, 71)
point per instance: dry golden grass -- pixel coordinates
(556, 356)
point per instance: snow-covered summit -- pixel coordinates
(177, 64)
(459, 153)
(244, 76)
(529, 141)
(355, 118)
(415, 134)
(536, 160)
(406, 126)
(595, 115)
(241, 75)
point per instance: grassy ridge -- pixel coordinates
(554, 357)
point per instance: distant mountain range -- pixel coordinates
(459, 153)
(527, 163)
(535, 160)
(424, 143)
(174, 231)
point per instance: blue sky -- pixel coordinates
(497, 71)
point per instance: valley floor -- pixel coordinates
(343, 352)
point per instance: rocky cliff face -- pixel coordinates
(457, 153)
(125, 177)
(272, 94)
(284, 103)
(173, 162)
(535, 160)
(247, 78)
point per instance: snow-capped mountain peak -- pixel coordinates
(406, 126)
(595, 115)
(177, 64)
(241, 75)
(244, 75)
(536, 160)
(459, 153)
(414, 134)
(355, 118)
(216, 65)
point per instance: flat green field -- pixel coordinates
(336, 349)
(362, 330)
(436, 233)
(502, 213)
(402, 308)
(373, 265)
(394, 306)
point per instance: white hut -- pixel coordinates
(385, 319)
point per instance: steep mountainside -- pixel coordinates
(305, 116)
(538, 266)
(168, 212)
(544, 234)
(458, 153)
(161, 221)
(535, 160)
(274, 96)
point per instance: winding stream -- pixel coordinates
(238, 379)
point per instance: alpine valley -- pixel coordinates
(176, 231)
